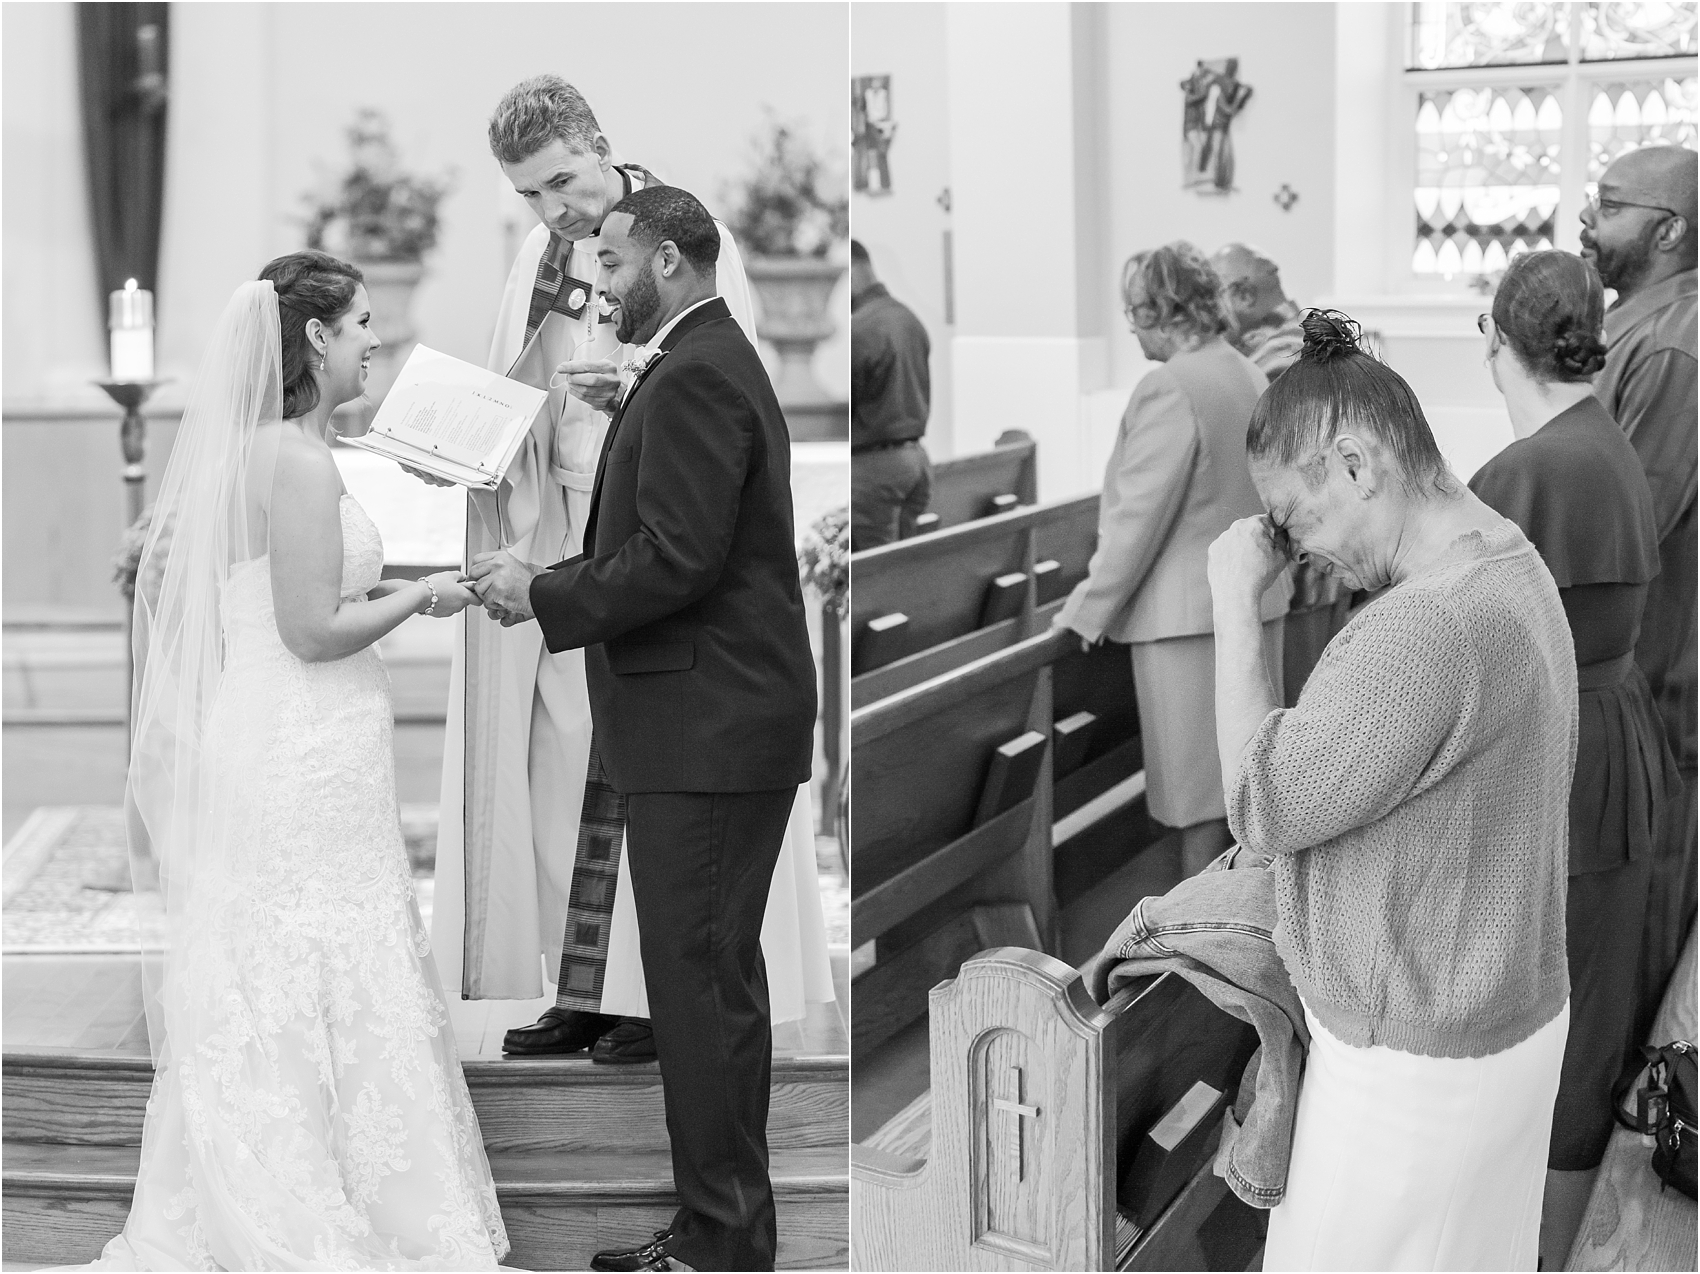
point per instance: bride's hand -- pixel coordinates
(432, 478)
(453, 596)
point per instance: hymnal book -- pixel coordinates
(1006, 503)
(1171, 1153)
(453, 419)
(1004, 597)
(1011, 776)
(1127, 1234)
(884, 639)
(1049, 577)
(926, 522)
(1074, 737)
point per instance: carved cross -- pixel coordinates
(1014, 1106)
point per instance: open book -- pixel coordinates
(453, 419)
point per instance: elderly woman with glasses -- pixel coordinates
(1176, 479)
(1574, 485)
(1414, 805)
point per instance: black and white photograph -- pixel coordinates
(1272, 636)
(426, 483)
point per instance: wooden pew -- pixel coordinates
(1030, 1151)
(928, 886)
(958, 593)
(968, 487)
(940, 873)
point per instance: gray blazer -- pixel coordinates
(1176, 479)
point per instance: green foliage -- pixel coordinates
(377, 212)
(792, 203)
(824, 559)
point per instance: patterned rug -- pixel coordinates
(61, 866)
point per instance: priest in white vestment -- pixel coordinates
(517, 745)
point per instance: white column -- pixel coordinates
(223, 217)
(1026, 219)
(55, 322)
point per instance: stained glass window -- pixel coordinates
(1621, 29)
(1491, 176)
(1639, 113)
(1487, 176)
(1488, 34)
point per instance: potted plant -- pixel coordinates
(823, 559)
(384, 220)
(788, 216)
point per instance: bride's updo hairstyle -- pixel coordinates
(309, 285)
(1337, 387)
(1550, 308)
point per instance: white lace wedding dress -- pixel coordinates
(312, 1113)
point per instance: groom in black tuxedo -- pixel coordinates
(702, 697)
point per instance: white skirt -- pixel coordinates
(1405, 1162)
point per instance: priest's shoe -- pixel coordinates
(651, 1256)
(630, 1043)
(558, 1031)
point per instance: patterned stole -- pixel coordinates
(602, 820)
(590, 904)
(547, 285)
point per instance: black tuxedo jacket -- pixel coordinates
(686, 598)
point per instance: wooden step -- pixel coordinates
(63, 1202)
(567, 1104)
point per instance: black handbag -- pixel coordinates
(1664, 1110)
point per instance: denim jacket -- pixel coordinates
(1215, 930)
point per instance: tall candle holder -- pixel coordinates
(132, 437)
(132, 440)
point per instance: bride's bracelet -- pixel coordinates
(430, 610)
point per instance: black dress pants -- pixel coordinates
(701, 866)
(1604, 915)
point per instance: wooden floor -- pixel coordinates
(93, 1003)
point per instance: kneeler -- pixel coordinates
(590, 902)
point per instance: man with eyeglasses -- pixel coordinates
(1267, 327)
(1638, 229)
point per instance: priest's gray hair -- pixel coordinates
(1177, 289)
(536, 112)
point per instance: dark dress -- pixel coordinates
(1577, 490)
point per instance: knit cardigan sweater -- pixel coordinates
(1416, 800)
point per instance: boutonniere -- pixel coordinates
(641, 358)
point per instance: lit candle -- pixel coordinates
(130, 317)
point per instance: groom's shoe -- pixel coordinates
(558, 1031)
(630, 1043)
(651, 1256)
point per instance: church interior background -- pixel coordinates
(1009, 159)
(1037, 146)
(258, 101)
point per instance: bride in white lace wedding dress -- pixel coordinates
(308, 1109)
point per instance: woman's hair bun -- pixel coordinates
(1330, 334)
(1579, 352)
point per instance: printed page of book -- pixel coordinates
(465, 418)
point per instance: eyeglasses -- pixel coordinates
(1482, 321)
(1610, 207)
(1145, 315)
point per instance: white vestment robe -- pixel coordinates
(496, 930)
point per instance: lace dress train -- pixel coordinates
(311, 1112)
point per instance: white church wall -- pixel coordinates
(1023, 357)
(1284, 136)
(261, 92)
(53, 324)
(904, 230)
(1429, 337)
